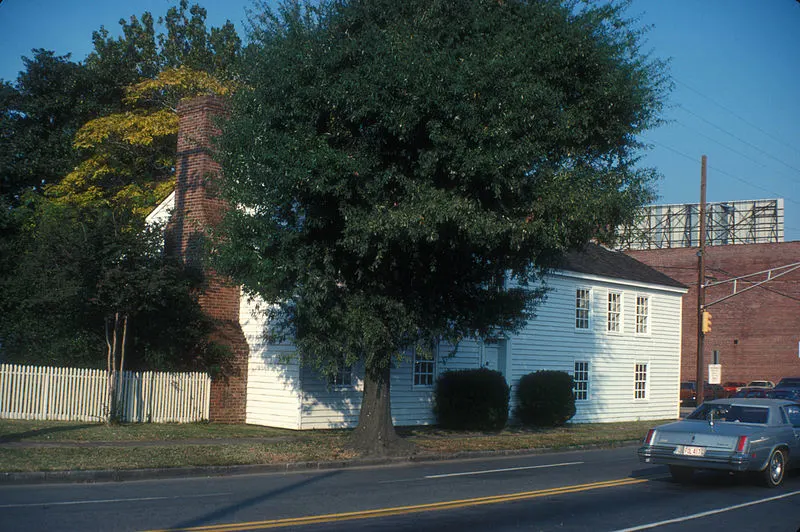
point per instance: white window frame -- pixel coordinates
(424, 369)
(641, 381)
(581, 368)
(615, 316)
(642, 322)
(588, 309)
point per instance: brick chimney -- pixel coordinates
(198, 208)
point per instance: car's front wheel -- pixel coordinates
(681, 474)
(772, 475)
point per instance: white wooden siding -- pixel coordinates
(71, 394)
(325, 406)
(551, 342)
(284, 394)
(273, 373)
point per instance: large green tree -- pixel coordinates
(39, 115)
(406, 171)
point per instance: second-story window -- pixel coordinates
(614, 323)
(642, 314)
(582, 306)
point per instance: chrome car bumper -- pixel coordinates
(723, 460)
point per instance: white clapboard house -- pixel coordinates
(609, 320)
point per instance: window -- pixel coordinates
(583, 298)
(580, 379)
(642, 314)
(640, 382)
(424, 367)
(342, 377)
(614, 312)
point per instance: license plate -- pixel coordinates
(689, 450)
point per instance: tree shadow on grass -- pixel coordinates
(30, 434)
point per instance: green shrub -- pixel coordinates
(545, 399)
(474, 399)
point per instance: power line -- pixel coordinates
(694, 160)
(734, 150)
(709, 98)
(712, 124)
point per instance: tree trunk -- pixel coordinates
(375, 434)
(112, 376)
(121, 372)
(109, 385)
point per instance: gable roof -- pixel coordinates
(597, 260)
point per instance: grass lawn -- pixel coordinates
(121, 451)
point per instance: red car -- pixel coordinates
(733, 387)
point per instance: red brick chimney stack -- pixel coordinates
(198, 208)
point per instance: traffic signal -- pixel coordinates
(706, 321)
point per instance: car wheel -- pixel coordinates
(772, 475)
(681, 474)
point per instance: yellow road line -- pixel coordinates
(403, 510)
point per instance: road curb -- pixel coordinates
(123, 475)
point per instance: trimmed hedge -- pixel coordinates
(545, 399)
(473, 399)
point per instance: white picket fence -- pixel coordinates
(31, 392)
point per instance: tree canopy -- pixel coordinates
(86, 150)
(405, 172)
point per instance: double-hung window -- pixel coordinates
(343, 376)
(580, 380)
(424, 367)
(583, 299)
(640, 381)
(642, 314)
(614, 321)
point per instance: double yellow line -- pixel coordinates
(404, 510)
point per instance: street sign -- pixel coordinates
(715, 373)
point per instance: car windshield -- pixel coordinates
(789, 382)
(731, 413)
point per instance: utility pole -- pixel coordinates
(701, 291)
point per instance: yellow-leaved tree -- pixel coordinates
(130, 155)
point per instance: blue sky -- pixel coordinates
(735, 65)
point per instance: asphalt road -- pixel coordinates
(598, 490)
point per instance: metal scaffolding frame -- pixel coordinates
(729, 222)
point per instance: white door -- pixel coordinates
(494, 355)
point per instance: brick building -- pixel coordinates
(757, 333)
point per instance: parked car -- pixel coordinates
(714, 391)
(790, 394)
(736, 434)
(732, 387)
(760, 384)
(688, 393)
(789, 382)
(752, 392)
